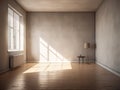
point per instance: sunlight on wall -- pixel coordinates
(49, 54)
(50, 66)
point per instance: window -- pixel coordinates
(15, 31)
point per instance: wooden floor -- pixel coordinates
(59, 76)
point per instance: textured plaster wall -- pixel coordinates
(64, 32)
(108, 34)
(3, 35)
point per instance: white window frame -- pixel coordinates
(14, 47)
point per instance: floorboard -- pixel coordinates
(59, 76)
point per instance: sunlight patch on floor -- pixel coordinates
(45, 67)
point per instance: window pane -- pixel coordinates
(10, 18)
(21, 37)
(16, 31)
(10, 39)
(16, 21)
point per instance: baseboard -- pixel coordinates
(33, 61)
(107, 68)
(72, 61)
(3, 71)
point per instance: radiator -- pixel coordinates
(16, 60)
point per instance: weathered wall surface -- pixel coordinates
(3, 35)
(63, 32)
(108, 34)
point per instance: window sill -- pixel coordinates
(15, 50)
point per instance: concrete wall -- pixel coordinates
(4, 61)
(65, 33)
(108, 34)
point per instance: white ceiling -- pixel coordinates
(60, 5)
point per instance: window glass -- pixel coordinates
(15, 31)
(10, 17)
